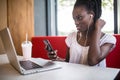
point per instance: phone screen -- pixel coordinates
(48, 45)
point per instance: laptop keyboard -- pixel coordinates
(28, 65)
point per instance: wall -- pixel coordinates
(118, 5)
(45, 18)
(40, 17)
(20, 20)
(3, 20)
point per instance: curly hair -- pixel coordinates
(91, 5)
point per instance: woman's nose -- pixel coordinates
(77, 22)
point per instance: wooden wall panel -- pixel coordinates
(20, 21)
(3, 20)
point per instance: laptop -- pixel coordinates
(33, 65)
(117, 77)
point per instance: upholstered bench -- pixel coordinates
(113, 59)
(58, 43)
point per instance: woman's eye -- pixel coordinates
(78, 18)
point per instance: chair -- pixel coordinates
(113, 59)
(57, 42)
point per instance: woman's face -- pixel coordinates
(82, 18)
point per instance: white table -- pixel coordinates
(67, 72)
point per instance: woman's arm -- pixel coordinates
(96, 52)
(67, 55)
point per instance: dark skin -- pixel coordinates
(83, 20)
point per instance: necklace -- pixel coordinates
(86, 38)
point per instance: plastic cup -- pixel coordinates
(27, 50)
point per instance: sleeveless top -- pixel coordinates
(78, 53)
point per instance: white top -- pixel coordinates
(78, 53)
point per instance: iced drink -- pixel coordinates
(26, 50)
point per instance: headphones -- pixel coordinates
(91, 16)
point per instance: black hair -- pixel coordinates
(91, 5)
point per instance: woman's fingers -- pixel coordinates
(52, 55)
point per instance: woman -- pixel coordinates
(89, 45)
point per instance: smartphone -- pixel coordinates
(48, 45)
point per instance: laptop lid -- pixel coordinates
(12, 55)
(9, 48)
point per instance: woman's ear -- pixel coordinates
(91, 16)
(91, 13)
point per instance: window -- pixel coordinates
(64, 16)
(66, 24)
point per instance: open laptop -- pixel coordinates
(24, 67)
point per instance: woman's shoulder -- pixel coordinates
(72, 34)
(108, 38)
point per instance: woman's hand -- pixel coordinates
(99, 24)
(52, 55)
(95, 51)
